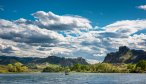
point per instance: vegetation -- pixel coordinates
(3, 69)
(140, 67)
(102, 68)
(17, 67)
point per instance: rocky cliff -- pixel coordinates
(125, 55)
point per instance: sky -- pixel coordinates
(71, 28)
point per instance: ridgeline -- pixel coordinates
(5, 60)
(125, 55)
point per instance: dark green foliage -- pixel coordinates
(85, 68)
(141, 66)
(76, 67)
(52, 69)
(131, 67)
(32, 66)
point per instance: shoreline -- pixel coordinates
(69, 72)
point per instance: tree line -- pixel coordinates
(139, 67)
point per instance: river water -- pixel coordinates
(73, 78)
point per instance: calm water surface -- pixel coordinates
(73, 78)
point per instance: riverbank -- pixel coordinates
(140, 67)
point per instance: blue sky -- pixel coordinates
(101, 12)
(71, 28)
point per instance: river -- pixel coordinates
(73, 78)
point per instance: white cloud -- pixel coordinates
(92, 61)
(142, 7)
(51, 34)
(52, 21)
(27, 33)
(127, 27)
(24, 39)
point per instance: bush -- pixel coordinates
(141, 66)
(17, 67)
(52, 69)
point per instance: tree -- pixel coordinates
(104, 67)
(17, 67)
(141, 65)
(52, 69)
(77, 67)
(85, 67)
(48, 69)
(131, 67)
(24, 69)
(10, 68)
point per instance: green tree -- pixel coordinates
(48, 69)
(18, 66)
(85, 67)
(131, 67)
(24, 69)
(77, 67)
(104, 67)
(10, 68)
(141, 65)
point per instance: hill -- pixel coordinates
(125, 55)
(4, 60)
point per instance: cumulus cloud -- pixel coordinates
(23, 21)
(142, 7)
(52, 21)
(9, 49)
(20, 39)
(68, 36)
(127, 27)
(27, 33)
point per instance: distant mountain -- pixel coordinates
(125, 55)
(4, 60)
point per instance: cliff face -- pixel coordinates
(125, 55)
(4, 60)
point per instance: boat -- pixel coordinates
(66, 72)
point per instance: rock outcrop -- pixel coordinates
(125, 55)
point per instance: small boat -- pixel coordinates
(66, 72)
